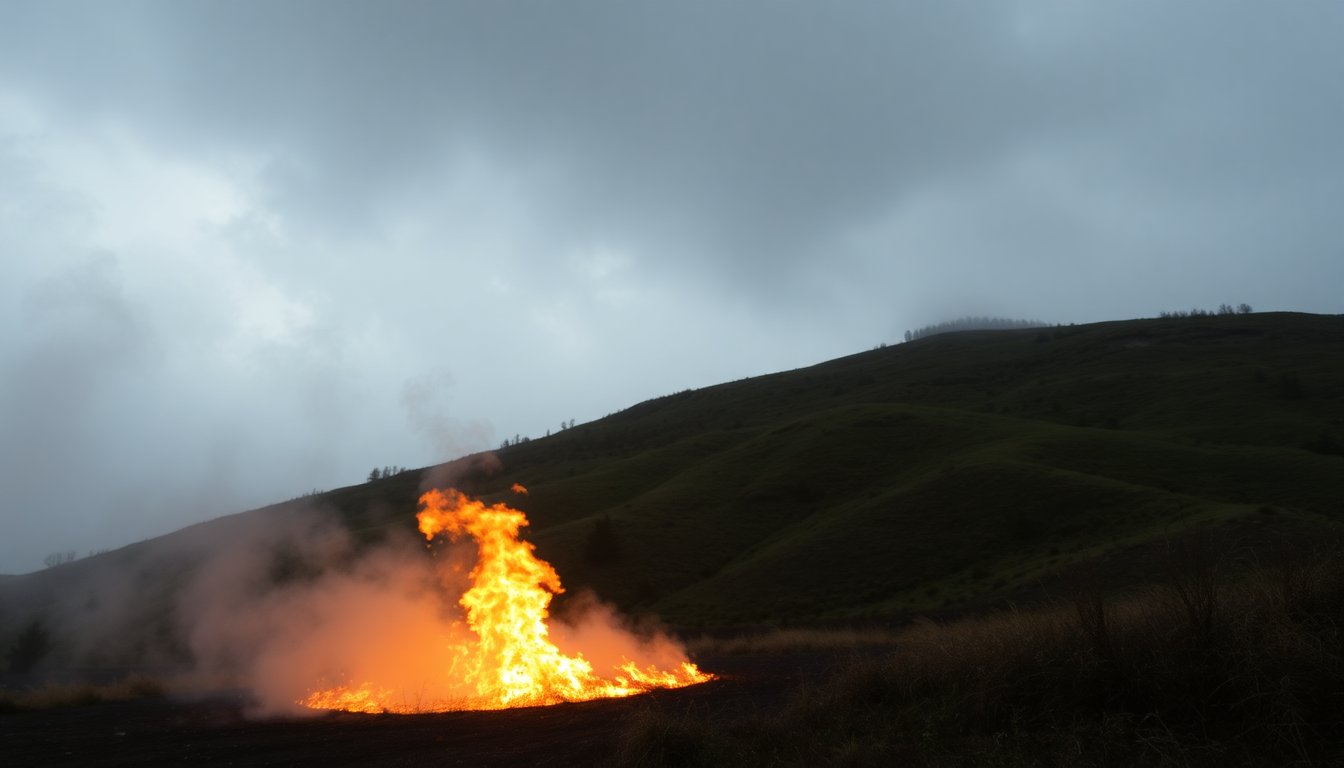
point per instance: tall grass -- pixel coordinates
(54, 695)
(1196, 671)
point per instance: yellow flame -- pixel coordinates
(513, 661)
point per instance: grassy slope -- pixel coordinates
(950, 469)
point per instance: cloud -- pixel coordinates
(573, 208)
(75, 357)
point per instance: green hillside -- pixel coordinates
(956, 470)
(923, 475)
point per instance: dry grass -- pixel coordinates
(1197, 671)
(54, 695)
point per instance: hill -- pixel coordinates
(948, 469)
(957, 470)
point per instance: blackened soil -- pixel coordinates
(216, 730)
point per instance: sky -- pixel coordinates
(253, 249)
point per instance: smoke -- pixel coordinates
(595, 630)
(452, 474)
(425, 398)
(284, 602)
(298, 608)
(285, 610)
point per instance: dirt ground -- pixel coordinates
(215, 731)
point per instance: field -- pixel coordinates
(1110, 544)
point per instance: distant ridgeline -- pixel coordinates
(973, 324)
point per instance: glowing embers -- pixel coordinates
(509, 659)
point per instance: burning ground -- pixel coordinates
(391, 630)
(505, 654)
(311, 650)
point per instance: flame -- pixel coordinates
(519, 489)
(513, 661)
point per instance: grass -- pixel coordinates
(55, 695)
(1205, 669)
(896, 471)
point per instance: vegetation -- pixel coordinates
(1223, 309)
(972, 324)
(54, 695)
(958, 470)
(1199, 670)
(385, 472)
(58, 558)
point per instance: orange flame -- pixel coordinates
(519, 489)
(513, 661)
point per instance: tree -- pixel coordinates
(1244, 309)
(57, 558)
(374, 475)
(972, 324)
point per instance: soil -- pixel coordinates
(215, 730)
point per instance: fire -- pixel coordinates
(512, 660)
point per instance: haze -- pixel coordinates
(255, 248)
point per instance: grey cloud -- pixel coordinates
(733, 134)
(70, 369)
(440, 185)
(81, 342)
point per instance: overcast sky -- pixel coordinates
(254, 248)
